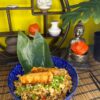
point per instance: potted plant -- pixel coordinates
(82, 11)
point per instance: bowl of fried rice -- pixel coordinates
(56, 83)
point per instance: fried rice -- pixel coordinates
(60, 85)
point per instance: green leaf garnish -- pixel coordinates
(33, 52)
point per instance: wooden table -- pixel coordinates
(86, 90)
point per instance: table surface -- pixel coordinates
(86, 90)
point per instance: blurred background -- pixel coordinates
(22, 19)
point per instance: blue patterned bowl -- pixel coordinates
(60, 63)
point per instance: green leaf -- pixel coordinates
(64, 16)
(86, 15)
(96, 14)
(70, 18)
(76, 18)
(85, 4)
(78, 5)
(33, 52)
(86, 10)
